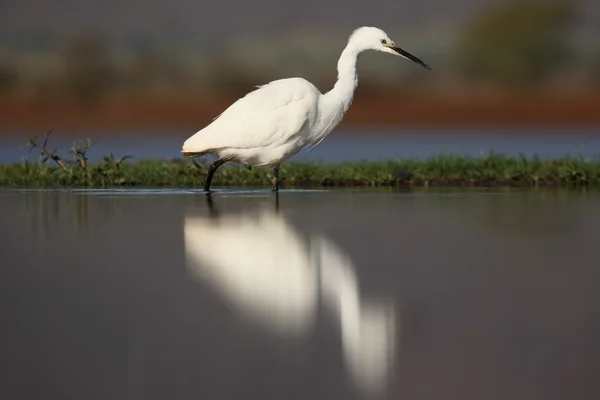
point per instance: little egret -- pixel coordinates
(276, 121)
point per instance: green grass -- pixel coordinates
(493, 170)
(52, 171)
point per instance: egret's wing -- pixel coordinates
(273, 113)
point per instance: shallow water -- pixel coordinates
(153, 294)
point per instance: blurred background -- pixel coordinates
(166, 68)
(99, 287)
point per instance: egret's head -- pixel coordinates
(370, 38)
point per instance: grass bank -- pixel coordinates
(50, 170)
(449, 171)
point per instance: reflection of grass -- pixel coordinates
(493, 170)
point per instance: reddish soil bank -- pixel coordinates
(192, 114)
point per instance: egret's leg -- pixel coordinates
(275, 179)
(211, 172)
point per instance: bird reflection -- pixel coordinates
(265, 269)
(259, 264)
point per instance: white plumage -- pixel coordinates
(276, 118)
(272, 123)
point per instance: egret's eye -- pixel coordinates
(383, 41)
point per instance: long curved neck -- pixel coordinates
(340, 97)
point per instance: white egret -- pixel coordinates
(276, 121)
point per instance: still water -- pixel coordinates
(155, 294)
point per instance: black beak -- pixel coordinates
(406, 54)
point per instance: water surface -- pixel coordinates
(153, 294)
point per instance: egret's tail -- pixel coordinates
(192, 154)
(195, 146)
